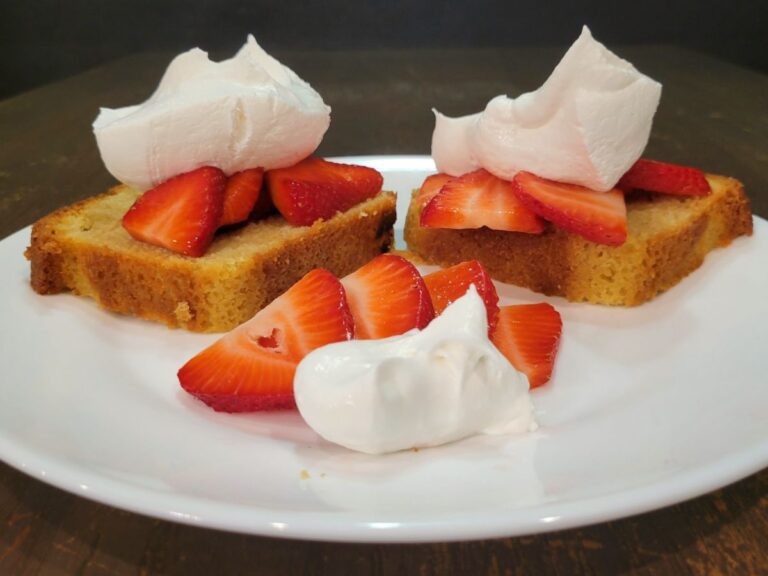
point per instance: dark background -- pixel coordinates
(46, 40)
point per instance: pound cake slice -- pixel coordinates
(668, 237)
(84, 249)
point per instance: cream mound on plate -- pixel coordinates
(423, 388)
(587, 124)
(247, 111)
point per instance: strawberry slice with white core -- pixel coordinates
(653, 176)
(600, 217)
(448, 285)
(431, 186)
(479, 199)
(252, 367)
(528, 335)
(316, 189)
(387, 297)
(181, 214)
(241, 194)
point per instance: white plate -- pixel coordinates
(647, 407)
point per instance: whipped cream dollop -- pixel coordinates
(424, 388)
(587, 124)
(246, 112)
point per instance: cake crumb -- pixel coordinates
(85, 224)
(182, 312)
(304, 474)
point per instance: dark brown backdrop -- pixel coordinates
(46, 40)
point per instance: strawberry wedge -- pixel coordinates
(241, 194)
(387, 297)
(600, 217)
(431, 186)
(653, 176)
(316, 189)
(448, 285)
(528, 335)
(252, 367)
(479, 199)
(181, 214)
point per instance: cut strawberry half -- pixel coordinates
(387, 297)
(528, 335)
(241, 194)
(447, 285)
(653, 176)
(600, 217)
(479, 199)
(316, 189)
(181, 214)
(431, 186)
(252, 367)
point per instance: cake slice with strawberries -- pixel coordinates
(619, 248)
(549, 191)
(168, 255)
(222, 205)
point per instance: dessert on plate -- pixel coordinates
(384, 359)
(549, 191)
(221, 206)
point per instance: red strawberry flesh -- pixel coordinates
(653, 176)
(316, 189)
(252, 367)
(387, 297)
(181, 214)
(600, 217)
(448, 285)
(431, 186)
(529, 335)
(241, 195)
(479, 199)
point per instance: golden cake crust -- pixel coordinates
(84, 249)
(668, 238)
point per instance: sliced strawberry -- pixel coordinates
(387, 297)
(600, 217)
(316, 189)
(241, 194)
(431, 186)
(181, 214)
(528, 335)
(252, 367)
(450, 284)
(654, 176)
(479, 199)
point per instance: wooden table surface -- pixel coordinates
(713, 115)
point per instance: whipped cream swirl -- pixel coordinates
(587, 124)
(421, 389)
(246, 112)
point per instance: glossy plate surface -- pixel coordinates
(647, 407)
